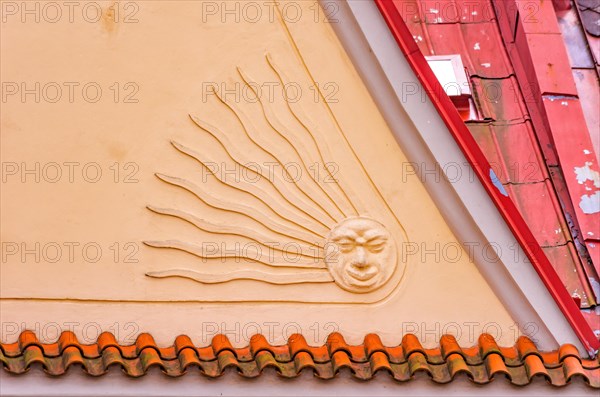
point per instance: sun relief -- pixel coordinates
(302, 230)
(361, 255)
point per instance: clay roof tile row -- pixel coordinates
(481, 363)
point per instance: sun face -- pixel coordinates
(360, 254)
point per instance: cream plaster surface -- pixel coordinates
(166, 61)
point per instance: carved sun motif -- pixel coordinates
(335, 242)
(360, 254)
(332, 239)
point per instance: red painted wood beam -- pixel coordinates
(561, 5)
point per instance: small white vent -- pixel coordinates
(452, 75)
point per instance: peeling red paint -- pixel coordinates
(506, 109)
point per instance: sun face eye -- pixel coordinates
(377, 248)
(345, 245)
(376, 245)
(346, 248)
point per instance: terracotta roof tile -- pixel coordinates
(512, 151)
(575, 39)
(590, 13)
(544, 213)
(499, 99)
(452, 11)
(587, 83)
(481, 363)
(564, 258)
(479, 44)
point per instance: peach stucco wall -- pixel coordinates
(153, 71)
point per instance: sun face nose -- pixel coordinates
(360, 259)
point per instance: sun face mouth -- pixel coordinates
(362, 273)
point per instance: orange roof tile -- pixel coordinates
(481, 363)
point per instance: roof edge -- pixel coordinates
(467, 144)
(482, 362)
